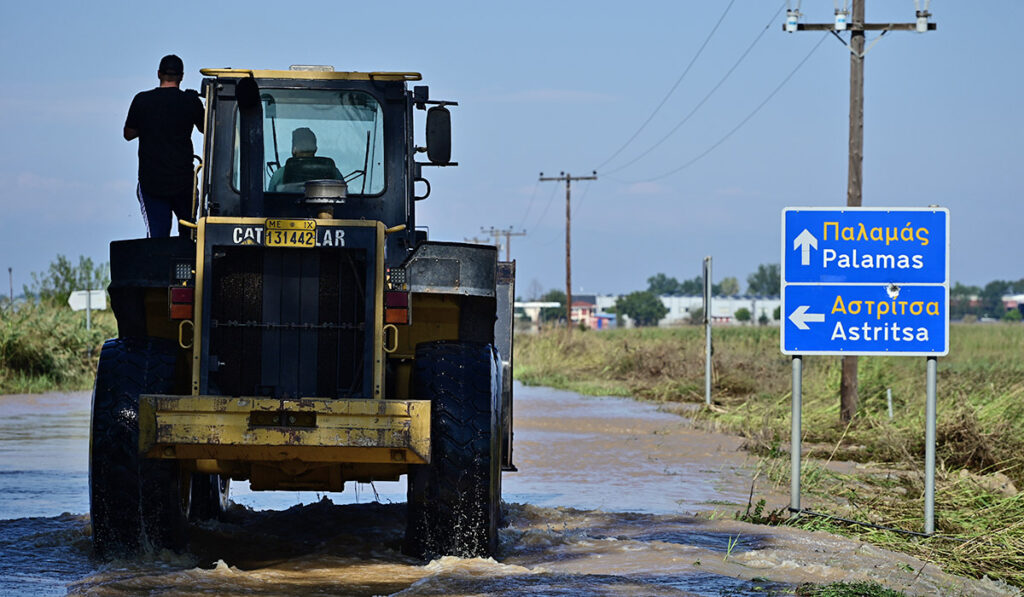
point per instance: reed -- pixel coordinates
(46, 348)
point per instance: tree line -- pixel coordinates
(63, 277)
(766, 281)
(984, 301)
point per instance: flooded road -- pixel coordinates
(602, 506)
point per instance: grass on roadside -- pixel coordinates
(843, 589)
(979, 531)
(45, 348)
(980, 428)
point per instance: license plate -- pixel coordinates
(290, 233)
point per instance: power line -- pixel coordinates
(546, 207)
(673, 89)
(579, 202)
(706, 97)
(764, 102)
(529, 204)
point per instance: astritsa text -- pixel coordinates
(889, 331)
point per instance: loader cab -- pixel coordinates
(305, 335)
(272, 132)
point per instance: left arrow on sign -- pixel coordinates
(800, 317)
(805, 241)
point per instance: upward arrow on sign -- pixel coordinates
(804, 241)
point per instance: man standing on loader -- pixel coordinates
(162, 120)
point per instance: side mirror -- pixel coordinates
(439, 135)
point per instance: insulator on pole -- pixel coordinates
(842, 18)
(922, 20)
(792, 16)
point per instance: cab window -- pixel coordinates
(320, 135)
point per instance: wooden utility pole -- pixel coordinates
(857, 28)
(496, 233)
(568, 178)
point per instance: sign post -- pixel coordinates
(88, 300)
(866, 281)
(707, 330)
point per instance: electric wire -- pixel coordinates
(672, 90)
(579, 202)
(697, 107)
(742, 122)
(554, 188)
(529, 203)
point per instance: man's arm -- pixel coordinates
(198, 111)
(131, 123)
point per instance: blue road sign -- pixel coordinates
(865, 281)
(865, 245)
(866, 320)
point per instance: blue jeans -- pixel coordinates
(156, 212)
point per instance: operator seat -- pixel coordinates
(303, 168)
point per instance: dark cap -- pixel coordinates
(171, 65)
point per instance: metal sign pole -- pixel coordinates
(794, 440)
(929, 450)
(88, 310)
(707, 330)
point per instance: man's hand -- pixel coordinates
(130, 134)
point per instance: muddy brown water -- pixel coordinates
(602, 505)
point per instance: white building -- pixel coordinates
(723, 308)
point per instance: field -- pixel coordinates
(980, 429)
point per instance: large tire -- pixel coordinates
(454, 503)
(209, 496)
(135, 503)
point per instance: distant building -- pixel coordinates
(583, 312)
(592, 310)
(531, 309)
(1014, 301)
(723, 308)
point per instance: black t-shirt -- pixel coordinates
(164, 118)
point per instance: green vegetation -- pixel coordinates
(980, 430)
(644, 308)
(727, 287)
(982, 301)
(843, 589)
(553, 313)
(45, 347)
(765, 281)
(62, 278)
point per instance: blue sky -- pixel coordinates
(554, 87)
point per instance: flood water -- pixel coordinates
(603, 505)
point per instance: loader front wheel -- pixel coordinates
(135, 503)
(454, 502)
(209, 496)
